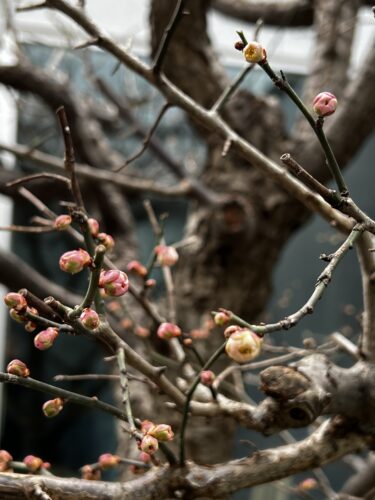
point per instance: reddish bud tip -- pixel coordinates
(45, 339)
(53, 407)
(166, 255)
(62, 222)
(168, 331)
(15, 301)
(90, 473)
(239, 46)
(93, 226)
(74, 261)
(106, 240)
(325, 104)
(207, 377)
(142, 332)
(108, 461)
(146, 425)
(221, 318)
(17, 367)
(33, 463)
(90, 318)
(114, 283)
(136, 267)
(5, 459)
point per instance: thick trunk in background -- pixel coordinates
(239, 242)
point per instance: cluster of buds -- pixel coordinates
(108, 461)
(17, 367)
(46, 338)
(167, 331)
(74, 261)
(243, 344)
(90, 318)
(53, 407)
(5, 459)
(62, 222)
(152, 435)
(137, 268)
(114, 283)
(324, 104)
(166, 255)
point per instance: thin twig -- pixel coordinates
(167, 36)
(125, 388)
(69, 157)
(28, 229)
(43, 175)
(147, 138)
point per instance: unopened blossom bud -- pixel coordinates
(33, 463)
(207, 377)
(144, 457)
(30, 326)
(90, 473)
(199, 333)
(142, 332)
(149, 444)
(146, 425)
(17, 367)
(230, 330)
(168, 331)
(188, 342)
(74, 261)
(53, 407)
(90, 318)
(243, 345)
(325, 104)
(106, 240)
(308, 484)
(93, 226)
(239, 45)
(62, 222)
(5, 459)
(254, 52)
(114, 283)
(136, 267)
(108, 461)
(221, 318)
(161, 432)
(166, 255)
(45, 339)
(17, 316)
(150, 283)
(16, 301)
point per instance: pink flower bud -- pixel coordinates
(106, 240)
(166, 255)
(62, 222)
(16, 301)
(114, 283)
(90, 318)
(144, 457)
(90, 473)
(53, 407)
(108, 461)
(146, 425)
(30, 326)
(308, 484)
(17, 316)
(150, 283)
(74, 261)
(243, 345)
(45, 339)
(221, 318)
(254, 52)
(325, 104)
(33, 463)
(161, 432)
(230, 330)
(188, 342)
(17, 367)
(142, 332)
(93, 226)
(207, 377)
(5, 458)
(168, 331)
(136, 267)
(149, 444)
